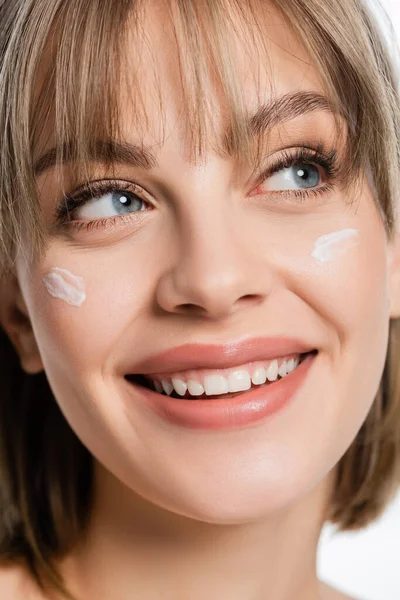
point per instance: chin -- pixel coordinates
(233, 508)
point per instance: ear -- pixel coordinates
(394, 273)
(14, 318)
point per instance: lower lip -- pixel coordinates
(227, 413)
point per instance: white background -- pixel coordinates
(366, 564)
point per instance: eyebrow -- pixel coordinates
(110, 150)
(269, 115)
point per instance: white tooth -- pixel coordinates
(167, 386)
(180, 386)
(291, 365)
(259, 376)
(215, 384)
(158, 386)
(239, 381)
(282, 371)
(272, 371)
(195, 388)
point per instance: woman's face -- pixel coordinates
(214, 258)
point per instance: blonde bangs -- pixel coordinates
(89, 75)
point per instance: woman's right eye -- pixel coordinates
(111, 204)
(100, 202)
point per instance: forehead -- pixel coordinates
(264, 66)
(162, 58)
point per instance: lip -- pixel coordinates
(248, 408)
(221, 356)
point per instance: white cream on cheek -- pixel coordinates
(62, 284)
(332, 245)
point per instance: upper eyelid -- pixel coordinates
(298, 154)
(98, 183)
(287, 154)
(310, 155)
(269, 172)
(93, 190)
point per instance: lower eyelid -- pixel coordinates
(295, 196)
(115, 222)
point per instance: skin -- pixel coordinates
(181, 513)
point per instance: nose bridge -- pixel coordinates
(210, 249)
(216, 243)
(214, 265)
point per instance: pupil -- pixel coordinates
(307, 175)
(125, 201)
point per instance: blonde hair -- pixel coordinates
(42, 517)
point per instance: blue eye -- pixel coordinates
(303, 176)
(127, 201)
(110, 204)
(306, 175)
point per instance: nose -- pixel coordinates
(216, 269)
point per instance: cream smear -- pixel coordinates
(61, 284)
(332, 245)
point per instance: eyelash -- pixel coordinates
(327, 160)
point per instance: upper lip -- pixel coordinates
(221, 356)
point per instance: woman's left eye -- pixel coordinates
(298, 176)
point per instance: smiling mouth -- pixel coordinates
(144, 382)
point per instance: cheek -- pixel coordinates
(352, 275)
(353, 301)
(344, 288)
(342, 277)
(82, 305)
(352, 271)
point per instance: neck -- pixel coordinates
(134, 548)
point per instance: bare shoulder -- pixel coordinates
(15, 584)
